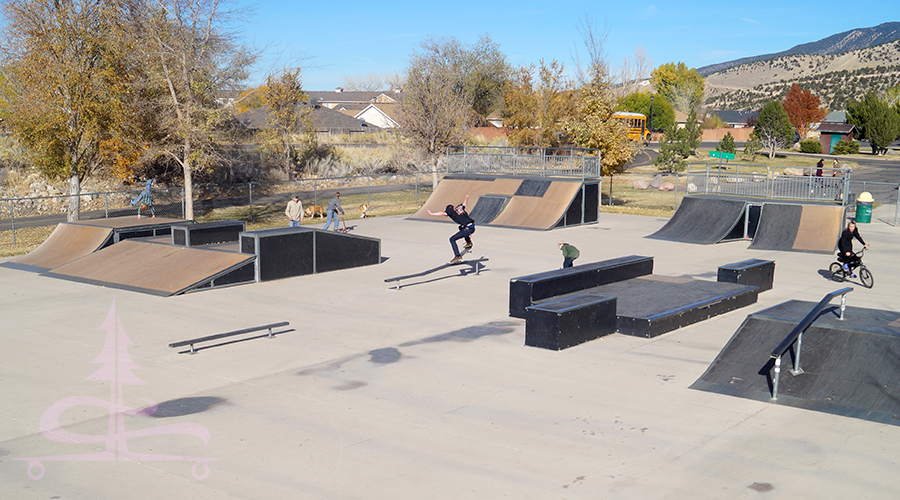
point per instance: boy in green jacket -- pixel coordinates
(570, 253)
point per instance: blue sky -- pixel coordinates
(351, 38)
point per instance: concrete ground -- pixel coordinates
(426, 392)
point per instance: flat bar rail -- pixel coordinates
(475, 263)
(217, 336)
(797, 335)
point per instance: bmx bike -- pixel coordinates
(839, 274)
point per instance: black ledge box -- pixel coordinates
(755, 272)
(563, 323)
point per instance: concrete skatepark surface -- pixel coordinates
(423, 392)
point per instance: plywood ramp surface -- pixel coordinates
(150, 267)
(66, 243)
(820, 228)
(127, 222)
(539, 213)
(452, 191)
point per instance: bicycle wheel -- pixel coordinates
(866, 277)
(837, 272)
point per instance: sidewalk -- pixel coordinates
(426, 392)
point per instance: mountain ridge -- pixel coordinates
(855, 39)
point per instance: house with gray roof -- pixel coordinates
(324, 120)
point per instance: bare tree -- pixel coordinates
(367, 83)
(593, 125)
(631, 75)
(434, 110)
(448, 86)
(192, 56)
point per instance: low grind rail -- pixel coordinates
(475, 263)
(797, 335)
(217, 336)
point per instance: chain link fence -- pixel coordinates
(25, 222)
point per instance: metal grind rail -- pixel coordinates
(476, 265)
(217, 336)
(796, 335)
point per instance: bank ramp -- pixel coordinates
(850, 367)
(158, 269)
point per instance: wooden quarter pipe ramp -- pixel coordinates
(66, 243)
(522, 202)
(801, 228)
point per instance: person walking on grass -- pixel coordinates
(334, 208)
(466, 227)
(294, 211)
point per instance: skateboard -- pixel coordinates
(462, 254)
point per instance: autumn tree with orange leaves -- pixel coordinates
(803, 109)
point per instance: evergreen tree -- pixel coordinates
(674, 149)
(692, 132)
(876, 122)
(726, 144)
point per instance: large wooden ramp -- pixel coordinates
(800, 228)
(72, 240)
(528, 202)
(155, 268)
(703, 220)
(850, 366)
(66, 243)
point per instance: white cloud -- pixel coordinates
(750, 20)
(648, 12)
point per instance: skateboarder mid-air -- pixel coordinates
(466, 226)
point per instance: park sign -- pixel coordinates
(721, 155)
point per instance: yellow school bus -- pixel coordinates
(636, 123)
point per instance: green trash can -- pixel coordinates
(864, 208)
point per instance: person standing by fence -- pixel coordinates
(334, 207)
(294, 211)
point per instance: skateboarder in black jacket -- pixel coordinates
(466, 226)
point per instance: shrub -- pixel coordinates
(845, 148)
(810, 146)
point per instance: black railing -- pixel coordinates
(796, 335)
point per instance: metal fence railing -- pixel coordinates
(760, 181)
(541, 162)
